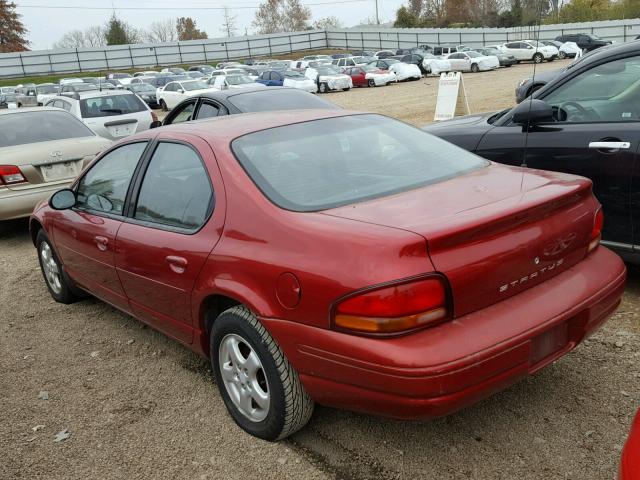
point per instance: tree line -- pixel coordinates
(510, 13)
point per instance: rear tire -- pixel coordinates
(538, 58)
(371, 82)
(249, 365)
(475, 68)
(57, 282)
(323, 88)
(562, 55)
(163, 106)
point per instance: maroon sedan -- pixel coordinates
(337, 257)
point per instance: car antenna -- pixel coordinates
(530, 99)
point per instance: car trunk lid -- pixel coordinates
(50, 162)
(494, 232)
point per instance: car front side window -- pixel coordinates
(609, 92)
(104, 187)
(184, 114)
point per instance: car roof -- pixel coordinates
(30, 109)
(225, 129)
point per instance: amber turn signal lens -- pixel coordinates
(390, 325)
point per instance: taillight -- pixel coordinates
(596, 233)
(394, 309)
(10, 174)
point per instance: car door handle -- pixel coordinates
(101, 242)
(609, 145)
(177, 264)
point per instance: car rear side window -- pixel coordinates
(18, 128)
(175, 191)
(321, 164)
(104, 187)
(111, 105)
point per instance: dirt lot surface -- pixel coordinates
(137, 405)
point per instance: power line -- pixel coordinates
(84, 7)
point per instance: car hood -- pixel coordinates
(466, 132)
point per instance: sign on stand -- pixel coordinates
(452, 97)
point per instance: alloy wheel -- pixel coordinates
(50, 268)
(244, 377)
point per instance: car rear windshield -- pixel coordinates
(286, 99)
(17, 128)
(327, 163)
(110, 105)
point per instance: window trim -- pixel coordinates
(99, 213)
(132, 201)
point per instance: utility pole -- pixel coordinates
(377, 16)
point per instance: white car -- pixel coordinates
(384, 54)
(8, 100)
(435, 65)
(403, 71)
(147, 73)
(472, 62)
(372, 76)
(7, 90)
(344, 62)
(46, 91)
(174, 92)
(569, 50)
(328, 78)
(318, 58)
(299, 81)
(530, 50)
(68, 81)
(233, 82)
(112, 114)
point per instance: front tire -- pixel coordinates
(371, 82)
(323, 88)
(57, 282)
(260, 388)
(538, 58)
(562, 55)
(475, 68)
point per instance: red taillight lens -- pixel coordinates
(395, 308)
(10, 174)
(596, 233)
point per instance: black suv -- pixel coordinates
(585, 41)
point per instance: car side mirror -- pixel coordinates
(180, 91)
(531, 112)
(63, 199)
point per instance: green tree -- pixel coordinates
(187, 30)
(275, 16)
(12, 31)
(116, 32)
(406, 19)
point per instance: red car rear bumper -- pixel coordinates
(439, 370)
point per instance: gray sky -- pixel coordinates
(47, 25)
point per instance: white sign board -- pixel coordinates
(452, 97)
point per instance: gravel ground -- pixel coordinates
(138, 405)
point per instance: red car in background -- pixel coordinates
(630, 462)
(334, 257)
(368, 76)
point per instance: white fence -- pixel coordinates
(63, 61)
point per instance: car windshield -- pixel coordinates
(238, 80)
(369, 68)
(536, 44)
(17, 128)
(142, 87)
(292, 74)
(47, 89)
(194, 85)
(329, 70)
(109, 105)
(321, 164)
(277, 99)
(473, 54)
(279, 65)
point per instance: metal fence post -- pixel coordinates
(131, 56)
(290, 44)
(180, 53)
(270, 51)
(362, 39)
(24, 74)
(249, 46)
(398, 39)
(106, 59)
(155, 54)
(438, 38)
(77, 56)
(204, 51)
(346, 40)
(380, 39)
(226, 50)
